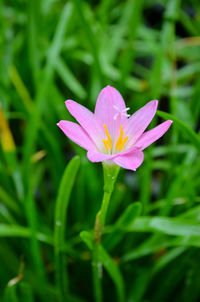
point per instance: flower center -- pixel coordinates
(120, 142)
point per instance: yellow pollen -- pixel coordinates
(107, 142)
(121, 142)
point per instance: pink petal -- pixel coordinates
(108, 99)
(152, 135)
(97, 156)
(139, 121)
(88, 121)
(77, 135)
(130, 161)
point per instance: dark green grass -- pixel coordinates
(51, 51)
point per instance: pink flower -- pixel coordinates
(110, 133)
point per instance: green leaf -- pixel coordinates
(129, 215)
(113, 271)
(124, 221)
(87, 238)
(53, 54)
(69, 79)
(9, 201)
(10, 294)
(23, 232)
(26, 292)
(62, 202)
(168, 257)
(168, 226)
(107, 263)
(154, 244)
(191, 135)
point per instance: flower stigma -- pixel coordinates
(122, 113)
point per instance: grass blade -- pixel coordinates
(69, 79)
(60, 224)
(108, 264)
(191, 135)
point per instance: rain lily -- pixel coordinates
(110, 133)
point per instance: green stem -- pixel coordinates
(110, 175)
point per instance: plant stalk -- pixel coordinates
(110, 172)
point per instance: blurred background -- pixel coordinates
(53, 50)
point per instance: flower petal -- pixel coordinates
(88, 121)
(77, 135)
(152, 135)
(97, 156)
(108, 107)
(130, 161)
(139, 121)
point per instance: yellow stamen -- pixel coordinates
(120, 142)
(107, 133)
(123, 143)
(107, 142)
(120, 137)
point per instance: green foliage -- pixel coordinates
(60, 223)
(51, 51)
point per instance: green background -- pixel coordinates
(51, 51)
